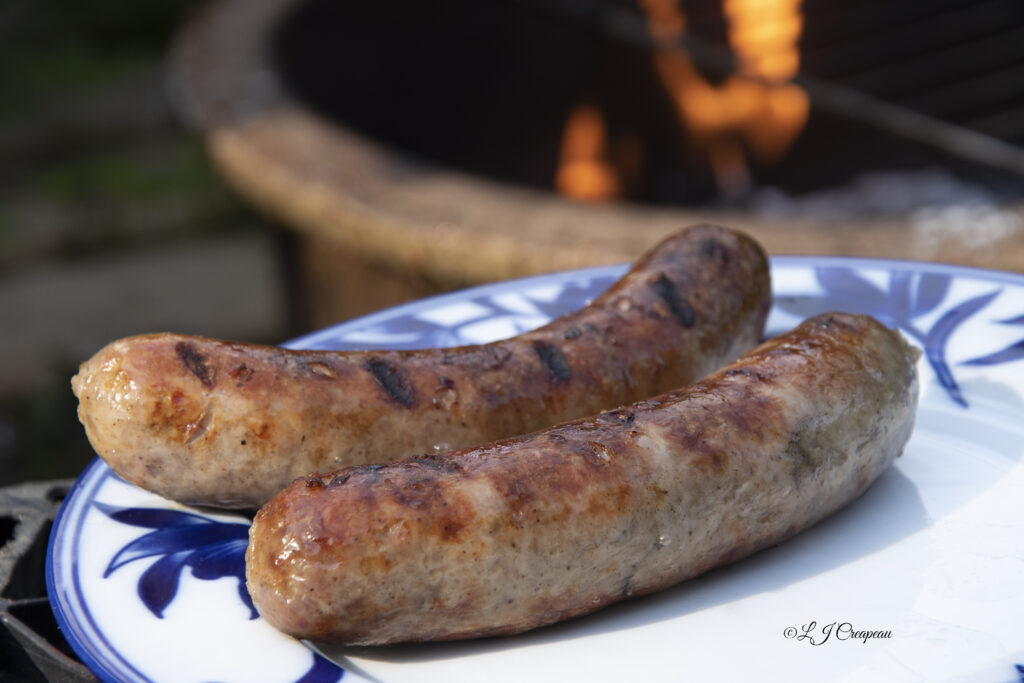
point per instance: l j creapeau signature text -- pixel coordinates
(813, 634)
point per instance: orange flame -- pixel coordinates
(584, 172)
(757, 112)
(764, 35)
(765, 114)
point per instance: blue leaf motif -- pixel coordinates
(844, 290)
(572, 293)
(173, 539)
(932, 290)
(910, 296)
(212, 550)
(1009, 354)
(151, 518)
(900, 284)
(937, 338)
(855, 294)
(322, 671)
(243, 595)
(227, 559)
(159, 584)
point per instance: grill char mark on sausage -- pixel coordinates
(392, 379)
(195, 362)
(554, 361)
(674, 299)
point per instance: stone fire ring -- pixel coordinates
(339, 190)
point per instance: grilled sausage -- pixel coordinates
(209, 422)
(536, 529)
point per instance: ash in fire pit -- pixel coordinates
(597, 100)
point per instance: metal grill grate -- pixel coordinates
(893, 87)
(953, 62)
(31, 646)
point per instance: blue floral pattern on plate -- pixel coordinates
(910, 296)
(123, 561)
(180, 539)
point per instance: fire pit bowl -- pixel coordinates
(375, 225)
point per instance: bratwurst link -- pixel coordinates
(215, 423)
(536, 529)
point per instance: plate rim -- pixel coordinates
(93, 657)
(618, 269)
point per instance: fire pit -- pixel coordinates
(420, 148)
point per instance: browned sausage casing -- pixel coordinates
(210, 422)
(532, 530)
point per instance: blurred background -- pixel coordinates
(112, 221)
(254, 169)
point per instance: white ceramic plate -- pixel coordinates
(929, 564)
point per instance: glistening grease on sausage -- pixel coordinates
(216, 423)
(536, 529)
